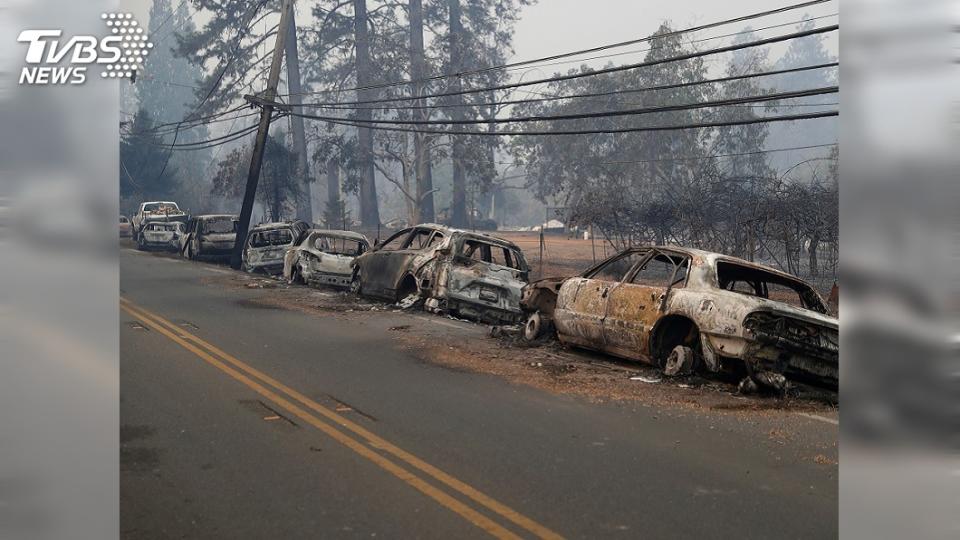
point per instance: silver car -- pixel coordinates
(324, 258)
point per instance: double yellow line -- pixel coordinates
(362, 441)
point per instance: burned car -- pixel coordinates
(210, 235)
(153, 211)
(686, 309)
(163, 235)
(468, 274)
(267, 244)
(324, 258)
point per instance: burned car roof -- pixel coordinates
(339, 234)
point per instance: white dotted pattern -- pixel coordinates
(134, 45)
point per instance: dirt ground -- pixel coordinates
(500, 351)
(562, 256)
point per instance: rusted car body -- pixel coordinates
(267, 244)
(468, 274)
(325, 257)
(686, 307)
(211, 235)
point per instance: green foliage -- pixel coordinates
(277, 188)
(142, 161)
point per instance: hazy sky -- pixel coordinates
(553, 26)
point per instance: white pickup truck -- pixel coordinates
(155, 211)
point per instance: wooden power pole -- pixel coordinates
(256, 160)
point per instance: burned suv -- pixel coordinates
(209, 236)
(267, 244)
(472, 275)
(687, 309)
(324, 258)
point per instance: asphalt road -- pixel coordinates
(240, 421)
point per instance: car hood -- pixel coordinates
(780, 308)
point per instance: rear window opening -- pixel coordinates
(338, 246)
(492, 254)
(220, 226)
(275, 237)
(761, 283)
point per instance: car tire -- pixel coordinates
(680, 361)
(356, 286)
(536, 327)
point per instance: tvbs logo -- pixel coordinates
(119, 55)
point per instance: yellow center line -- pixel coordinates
(374, 440)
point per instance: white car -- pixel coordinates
(324, 258)
(160, 235)
(151, 211)
(267, 245)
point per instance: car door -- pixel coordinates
(374, 271)
(582, 302)
(635, 304)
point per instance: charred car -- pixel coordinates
(324, 258)
(686, 309)
(160, 235)
(209, 236)
(468, 274)
(267, 244)
(153, 211)
(126, 229)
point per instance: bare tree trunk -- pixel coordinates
(421, 145)
(334, 212)
(814, 266)
(302, 171)
(458, 207)
(369, 211)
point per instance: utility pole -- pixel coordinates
(256, 160)
(304, 203)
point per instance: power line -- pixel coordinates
(604, 114)
(617, 69)
(702, 40)
(170, 16)
(240, 34)
(758, 120)
(583, 51)
(715, 156)
(346, 105)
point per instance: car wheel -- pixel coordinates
(680, 361)
(536, 327)
(296, 276)
(355, 284)
(140, 245)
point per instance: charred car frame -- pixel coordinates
(324, 257)
(686, 309)
(468, 274)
